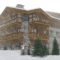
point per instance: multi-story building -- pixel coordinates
(21, 27)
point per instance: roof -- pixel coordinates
(54, 14)
(55, 17)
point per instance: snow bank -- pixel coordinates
(15, 55)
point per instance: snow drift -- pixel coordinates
(15, 55)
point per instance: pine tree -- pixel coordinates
(39, 49)
(45, 50)
(55, 50)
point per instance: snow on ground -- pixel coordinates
(15, 55)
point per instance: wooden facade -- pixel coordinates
(11, 22)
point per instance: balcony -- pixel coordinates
(11, 24)
(34, 36)
(14, 37)
(39, 24)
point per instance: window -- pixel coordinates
(38, 18)
(34, 30)
(30, 17)
(25, 18)
(35, 17)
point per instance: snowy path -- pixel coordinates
(15, 55)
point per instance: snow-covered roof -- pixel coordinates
(54, 14)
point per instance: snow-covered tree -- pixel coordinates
(39, 49)
(55, 50)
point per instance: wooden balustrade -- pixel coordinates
(13, 37)
(10, 26)
(35, 35)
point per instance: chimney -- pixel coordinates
(19, 6)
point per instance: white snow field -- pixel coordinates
(15, 55)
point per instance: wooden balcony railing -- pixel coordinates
(34, 36)
(11, 26)
(39, 23)
(12, 36)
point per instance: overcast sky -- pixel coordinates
(47, 5)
